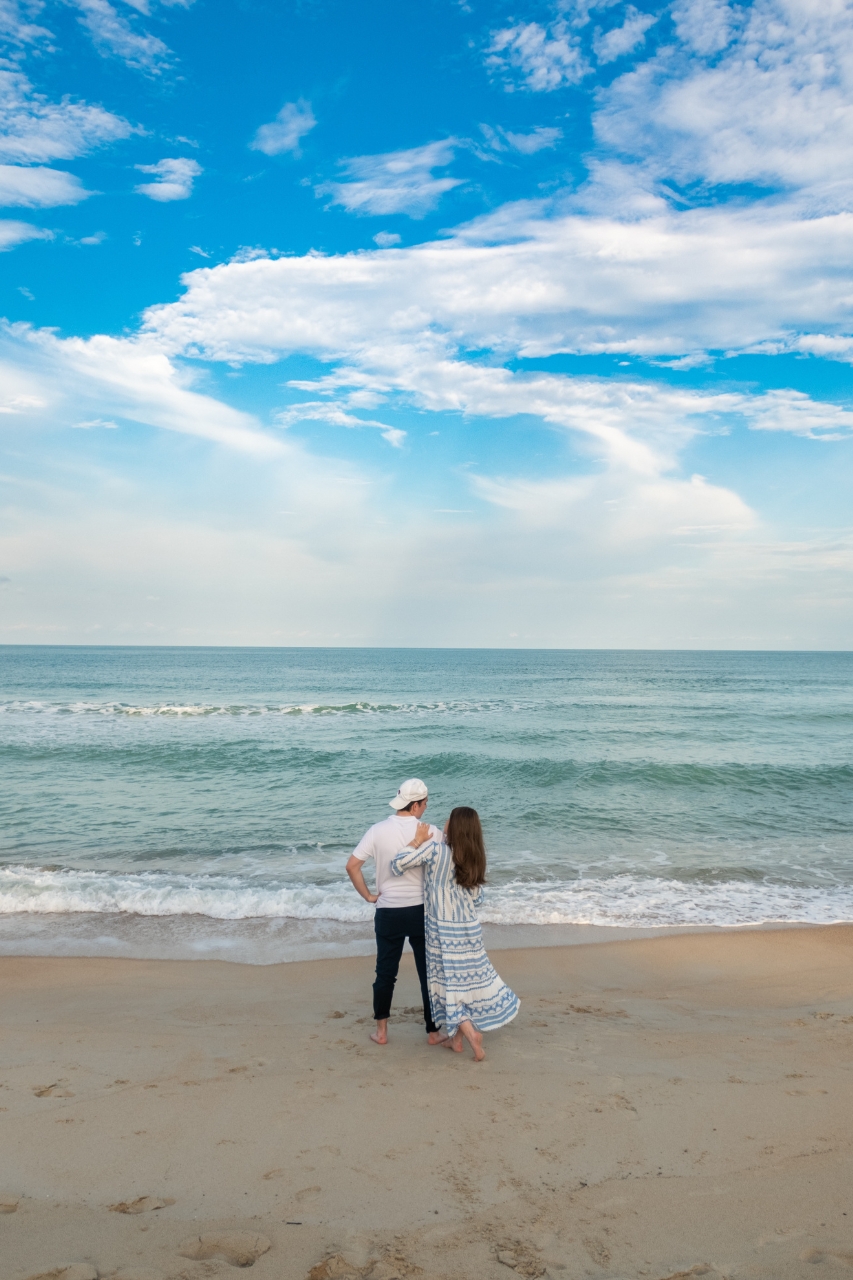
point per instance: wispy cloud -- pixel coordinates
(91, 382)
(174, 179)
(33, 129)
(798, 414)
(39, 188)
(539, 139)
(16, 28)
(546, 58)
(292, 123)
(396, 182)
(706, 26)
(780, 119)
(113, 34)
(615, 43)
(322, 411)
(13, 233)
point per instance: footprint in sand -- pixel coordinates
(239, 1248)
(337, 1267)
(596, 1012)
(137, 1273)
(56, 1090)
(143, 1204)
(334, 1268)
(597, 1250)
(700, 1269)
(77, 1271)
(306, 1193)
(826, 1255)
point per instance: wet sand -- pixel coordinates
(681, 1106)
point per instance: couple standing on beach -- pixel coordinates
(427, 886)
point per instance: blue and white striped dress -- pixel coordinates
(462, 983)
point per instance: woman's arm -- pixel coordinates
(477, 896)
(412, 857)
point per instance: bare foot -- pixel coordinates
(380, 1035)
(475, 1039)
(455, 1042)
(437, 1037)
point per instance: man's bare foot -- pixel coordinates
(380, 1035)
(454, 1042)
(475, 1039)
(437, 1037)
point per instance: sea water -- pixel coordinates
(179, 801)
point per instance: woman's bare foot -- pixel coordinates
(380, 1035)
(437, 1037)
(474, 1038)
(454, 1042)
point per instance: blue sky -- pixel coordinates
(452, 323)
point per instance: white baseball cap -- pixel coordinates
(412, 789)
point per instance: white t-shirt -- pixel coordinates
(382, 843)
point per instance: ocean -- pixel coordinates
(202, 801)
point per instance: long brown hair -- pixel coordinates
(465, 837)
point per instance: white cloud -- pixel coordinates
(33, 129)
(322, 411)
(615, 43)
(660, 283)
(705, 25)
(15, 26)
(386, 239)
(39, 188)
(649, 511)
(396, 182)
(546, 61)
(776, 108)
(285, 132)
(174, 179)
(798, 414)
(83, 380)
(12, 233)
(539, 139)
(111, 33)
(620, 556)
(577, 12)
(18, 392)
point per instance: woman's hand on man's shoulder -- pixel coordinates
(422, 834)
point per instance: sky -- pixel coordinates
(457, 323)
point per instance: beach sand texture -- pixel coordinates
(675, 1107)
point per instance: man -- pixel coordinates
(399, 902)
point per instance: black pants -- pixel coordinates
(393, 926)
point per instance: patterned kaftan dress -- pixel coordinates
(462, 983)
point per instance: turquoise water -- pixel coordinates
(188, 786)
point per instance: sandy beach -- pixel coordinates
(663, 1108)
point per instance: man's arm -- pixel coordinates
(355, 871)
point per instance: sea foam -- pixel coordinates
(620, 900)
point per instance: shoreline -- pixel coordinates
(674, 1106)
(268, 941)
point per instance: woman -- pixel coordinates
(465, 992)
